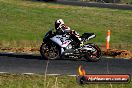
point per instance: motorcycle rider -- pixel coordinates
(62, 29)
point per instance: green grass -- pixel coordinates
(38, 81)
(27, 21)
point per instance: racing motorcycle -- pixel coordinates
(56, 46)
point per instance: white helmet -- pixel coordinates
(59, 23)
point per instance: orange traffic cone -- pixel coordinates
(108, 40)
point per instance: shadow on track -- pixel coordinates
(31, 56)
(25, 56)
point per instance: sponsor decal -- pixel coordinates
(84, 78)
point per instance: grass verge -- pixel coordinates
(24, 22)
(37, 81)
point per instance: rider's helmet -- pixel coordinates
(58, 24)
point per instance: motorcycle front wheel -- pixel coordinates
(49, 51)
(93, 55)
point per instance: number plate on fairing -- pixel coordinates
(61, 41)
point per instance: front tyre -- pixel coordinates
(49, 51)
(94, 55)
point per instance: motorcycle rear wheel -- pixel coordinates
(49, 51)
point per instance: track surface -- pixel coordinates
(33, 64)
(95, 4)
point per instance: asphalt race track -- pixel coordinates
(95, 4)
(14, 63)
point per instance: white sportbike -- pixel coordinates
(56, 46)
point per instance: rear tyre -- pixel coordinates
(94, 55)
(49, 51)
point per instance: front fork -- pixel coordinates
(62, 50)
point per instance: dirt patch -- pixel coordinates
(21, 50)
(118, 53)
(112, 52)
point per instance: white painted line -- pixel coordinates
(126, 58)
(11, 52)
(72, 75)
(28, 73)
(108, 57)
(53, 74)
(7, 52)
(3, 72)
